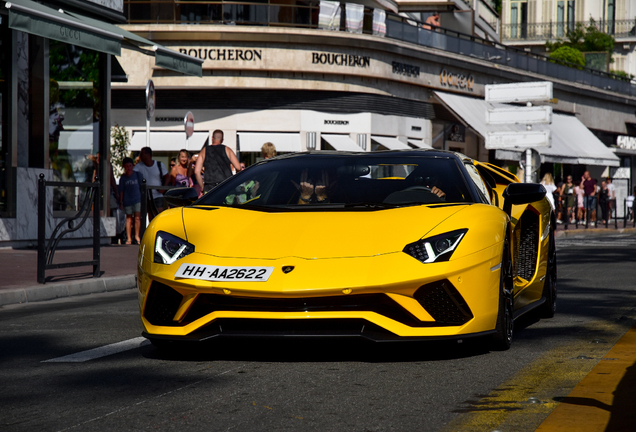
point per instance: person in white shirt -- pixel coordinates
(611, 195)
(155, 173)
(550, 187)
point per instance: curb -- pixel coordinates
(594, 232)
(52, 291)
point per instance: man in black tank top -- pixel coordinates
(216, 161)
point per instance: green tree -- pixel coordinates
(119, 148)
(584, 39)
(568, 56)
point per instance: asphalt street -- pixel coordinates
(78, 363)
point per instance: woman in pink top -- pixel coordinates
(580, 194)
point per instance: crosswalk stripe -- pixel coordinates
(103, 351)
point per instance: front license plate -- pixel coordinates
(226, 274)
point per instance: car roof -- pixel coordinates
(406, 153)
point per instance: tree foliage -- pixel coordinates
(73, 63)
(584, 39)
(566, 54)
(119, 148)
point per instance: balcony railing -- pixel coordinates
(305, 15)
(553, 30)
(263, 13)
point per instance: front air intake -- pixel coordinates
(527, 245)
(162, 304)
(444, 303)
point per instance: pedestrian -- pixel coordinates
(216, 160)
(612, 195)
(155, 174)
(629, 203)
(603, 201)
(569, 198)
(268, 150)
(432, 22)
(580, 203)
(130, 198)
(588, 184)
(181, 173)
(548, 184)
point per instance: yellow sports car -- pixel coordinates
(396, 245)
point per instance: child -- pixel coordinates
(130, 198)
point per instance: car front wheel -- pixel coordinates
(504, 328)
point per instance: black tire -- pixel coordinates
(504, 329)
(548, 309)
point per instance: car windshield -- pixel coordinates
(344, 182)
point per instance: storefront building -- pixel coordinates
(309, 88)
(57, 63)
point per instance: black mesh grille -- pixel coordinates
(379, 303)
(162, 304)
(328, 327)
(444, 303)
(527, 236)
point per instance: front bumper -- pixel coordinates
(385, 297)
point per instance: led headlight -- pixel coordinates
(437, 248)
(169, 248)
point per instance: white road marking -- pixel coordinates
(104, 351)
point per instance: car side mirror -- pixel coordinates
(179, 197)
(522, 193)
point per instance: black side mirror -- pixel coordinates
(179, 197)
(522, 193)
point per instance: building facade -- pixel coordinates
(310, 88)
(55, 77)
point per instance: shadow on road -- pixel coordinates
(303, 350)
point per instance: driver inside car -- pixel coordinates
(313, 190)
(432, 182)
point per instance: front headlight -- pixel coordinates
(170, 248)
(437, 248)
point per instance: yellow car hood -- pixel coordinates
(240, 233)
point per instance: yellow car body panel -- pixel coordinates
(526, 291)
(349, 268)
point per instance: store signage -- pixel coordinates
(188, 122)
(168, 119)
(229, 54)
(406, 69)
(70, 33)
(460, 81)
(626, 142)
(150, 100)
(337, 122)
(341, 59)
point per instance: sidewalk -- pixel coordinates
(581, 231)
(18, 273)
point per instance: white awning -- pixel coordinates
(341, 143)
(253, 141)
(390, 143)
(418, 143)
(572, 142)
(168, 141)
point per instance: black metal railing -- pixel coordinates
(609, 209)
(552, 30)
(46, 249)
